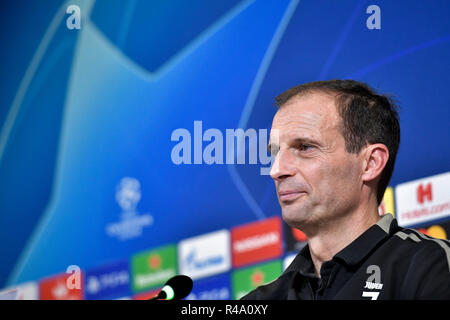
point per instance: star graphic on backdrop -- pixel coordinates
(234, 53)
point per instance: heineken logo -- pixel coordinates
(257, 278)
(246, 279)
(152, 268)
(154, 262)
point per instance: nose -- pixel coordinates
(282, 167)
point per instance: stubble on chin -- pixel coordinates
(296, 215)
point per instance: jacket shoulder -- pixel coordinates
(419, 241)
(428, 274)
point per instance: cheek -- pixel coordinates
(347, 188)
(321, 179)
(336, 179)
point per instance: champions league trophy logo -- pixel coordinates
(128, 195)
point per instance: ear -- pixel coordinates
(375, 159)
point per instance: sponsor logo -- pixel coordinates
(214, 288)
(387, 204)
(153, 268)
(25, 291)
(147, 295)
(423, 200)
(257, 278)
(373, 282)
(256, 241)
(294, 239)
(424, 193)
(371, 285)
(56, 288)
(435, 231)
(205, 255)
(131, 224)
(194, 262)
(212, 294)
(108, 282)
(299, 235)
(247, 279)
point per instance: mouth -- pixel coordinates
(286, 196)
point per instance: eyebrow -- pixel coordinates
(295, 141)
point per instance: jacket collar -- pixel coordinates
(362, 246)
(355, 252)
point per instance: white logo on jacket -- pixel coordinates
(373, 282)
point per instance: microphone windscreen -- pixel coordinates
(181, 285)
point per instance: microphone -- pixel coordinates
(176, 288)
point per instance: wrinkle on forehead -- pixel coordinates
(304, 120)
(307, 122)
(310, 117)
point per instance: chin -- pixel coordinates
(295, 216)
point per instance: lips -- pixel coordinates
(289, 195)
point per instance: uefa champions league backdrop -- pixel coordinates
(132, 125)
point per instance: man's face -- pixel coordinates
(316, 179)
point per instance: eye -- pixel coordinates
(273, 150)
(305, 147)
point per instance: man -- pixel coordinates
(335, 144)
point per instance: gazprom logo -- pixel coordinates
(205, 255)
(194, 262)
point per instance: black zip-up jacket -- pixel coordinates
(385, 262)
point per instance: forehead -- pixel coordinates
(311, 114)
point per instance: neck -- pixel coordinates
(331, 238)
